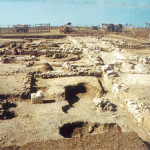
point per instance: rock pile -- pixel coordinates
(8, 59)
(117, 88)
(104, 104)
(29, 64)
(46, 67)
(66, 65)
(139, 110)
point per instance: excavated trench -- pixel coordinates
(80, 129)
(71, 95)
(67, 129)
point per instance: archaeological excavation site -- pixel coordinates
(72, 91)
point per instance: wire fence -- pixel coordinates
(37, 28)
(84, 29)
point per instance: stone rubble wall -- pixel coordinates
(137, 108)
(95, 54)
(122, 44)
(28, 83)
(68, 66)
(17, 59)
(48, 74)
(12, 72)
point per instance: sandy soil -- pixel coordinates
(37, 126)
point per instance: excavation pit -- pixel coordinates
(6, 105)
(67, 129)
(82, 129)
(71, 91)
(7, 115)
(71, 94)
(16, 79)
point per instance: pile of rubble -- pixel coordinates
(123, 44)
(8, 59)
(129, 63)
(17, 59)
(139, 110)
(104, 104)
(66, 65)
(117, 88)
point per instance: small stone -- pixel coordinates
(91, 129)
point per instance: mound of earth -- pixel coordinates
(111, 140)
(46, 67)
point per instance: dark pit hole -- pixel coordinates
(70, 95)
(6, 114)
(7, 105)
(71, 91)
(67, 129)
(2, 97)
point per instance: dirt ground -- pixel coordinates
(109, 140)
(42, 126)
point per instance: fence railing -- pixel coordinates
(85, 29)
(37, 28)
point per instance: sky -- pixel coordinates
(79, 12)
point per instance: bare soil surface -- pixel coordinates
(68, 101)
(108, 140)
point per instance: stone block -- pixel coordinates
(105, 68)
(98, 100)
(110, 72)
